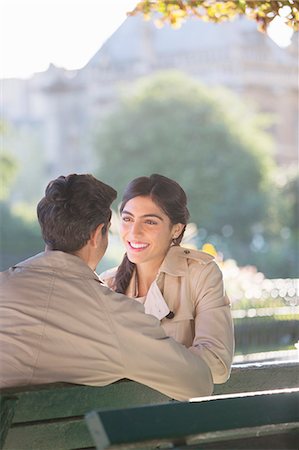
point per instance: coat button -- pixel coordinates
(186, 252)
(170, 315)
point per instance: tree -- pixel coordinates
(18, 238)
(282, 236)
(206, 140)
(176, 11)
(8, 166)
(291, 192)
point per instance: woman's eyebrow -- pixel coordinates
(127, 212)
(153, 215)
(144, 215)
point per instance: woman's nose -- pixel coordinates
(136, 229)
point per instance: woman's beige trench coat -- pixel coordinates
(191, 284)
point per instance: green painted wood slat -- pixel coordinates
(61, 434)
(176, 421)
(60, 400)
(7, 411)
(43, 405)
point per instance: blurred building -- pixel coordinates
(63, 108)
(232, 54)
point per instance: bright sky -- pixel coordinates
(67, 33)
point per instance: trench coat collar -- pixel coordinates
(175, 264)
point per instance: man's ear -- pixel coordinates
(96, 235)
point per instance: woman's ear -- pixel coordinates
(177, 230)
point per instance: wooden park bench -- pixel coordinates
(256, 420)
(51, 417)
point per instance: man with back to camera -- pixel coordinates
(60, 324)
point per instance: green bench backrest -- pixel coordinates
(185, 423)
(52, 416)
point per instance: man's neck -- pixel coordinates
(87, 255)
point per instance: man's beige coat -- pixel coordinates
(58, 323)
(191, 284)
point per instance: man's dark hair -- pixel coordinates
(72, 208)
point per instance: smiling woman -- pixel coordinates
(147, 233)
(182, 288)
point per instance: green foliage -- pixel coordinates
(19, 239)
(261, 334)
(279, 259)
(25, 147)
(175, 12)
(8, 166)
(206, 140)
(280, 255)
(290, 194)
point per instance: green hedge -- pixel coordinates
(260, 334)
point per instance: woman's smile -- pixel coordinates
(146, 231)
(138, 246)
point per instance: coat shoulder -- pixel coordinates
(197, 255)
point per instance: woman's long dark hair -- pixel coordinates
(170, 197)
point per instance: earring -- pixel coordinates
(174, 239)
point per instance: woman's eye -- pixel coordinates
(126, 219)
(151, 222)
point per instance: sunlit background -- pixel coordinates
(214, 106)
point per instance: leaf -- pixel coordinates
(263, 12)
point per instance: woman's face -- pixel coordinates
(146, 231)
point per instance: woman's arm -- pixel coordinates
(214, 336)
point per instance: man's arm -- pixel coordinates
(152, 358)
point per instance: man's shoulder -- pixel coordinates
(57, 263)
(39, 260)
(30, 260)
(15, 268)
